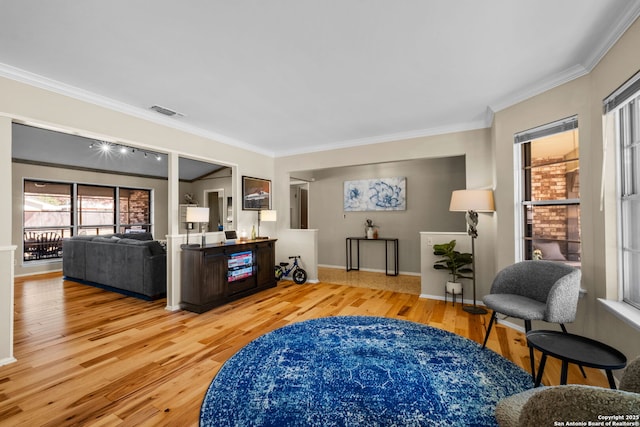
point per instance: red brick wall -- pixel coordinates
(549, 183)
(135, 208)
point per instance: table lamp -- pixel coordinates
(200, 215)
(268, 216)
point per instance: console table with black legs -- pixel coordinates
(387, 242)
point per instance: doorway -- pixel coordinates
(215, 202)
(299, 194)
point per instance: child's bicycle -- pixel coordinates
(299, 275)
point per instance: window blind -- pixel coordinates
(559, 126)
(622, 94)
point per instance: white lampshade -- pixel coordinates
(197, 214)
(268, 215)
(472, 200)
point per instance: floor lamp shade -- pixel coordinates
(472, 202)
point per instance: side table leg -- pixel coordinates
(543, 361)
(563, 373)
(612, 382)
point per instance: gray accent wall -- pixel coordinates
(429, 186)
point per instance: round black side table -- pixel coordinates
(570, 348)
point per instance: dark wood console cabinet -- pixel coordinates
(214, 275)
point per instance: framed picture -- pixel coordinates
(256, 194)
(379, 194)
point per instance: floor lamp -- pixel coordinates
(472, 202)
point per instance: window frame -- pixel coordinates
(523, 184)
(627, 287)
(75, 227)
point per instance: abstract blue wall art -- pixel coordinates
(379, 194)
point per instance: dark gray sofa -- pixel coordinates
(133, 264)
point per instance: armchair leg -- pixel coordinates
(527, 328)
(486, 337)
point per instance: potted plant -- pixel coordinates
(457, 263)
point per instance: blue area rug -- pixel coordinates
(360, 371)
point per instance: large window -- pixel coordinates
(96, 209)
(47, 219)
(53, 211)
(624, 104)
(549, 178)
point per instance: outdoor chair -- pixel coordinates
(534, 290)
(50, 245)
(31, 245)
(543, 406)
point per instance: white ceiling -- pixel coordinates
(290, 76)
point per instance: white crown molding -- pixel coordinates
(629, 17)
(51, 85)
(440, 130)
(488, 117)
(623, 24)
(539, 87)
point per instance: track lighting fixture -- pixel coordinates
(124, 150)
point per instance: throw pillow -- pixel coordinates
(550, 251)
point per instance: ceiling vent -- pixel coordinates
(166, 111)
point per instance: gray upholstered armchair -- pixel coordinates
(545, 405)
(535, 290)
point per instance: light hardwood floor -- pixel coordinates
(89, 357)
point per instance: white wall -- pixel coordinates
(299, 242)
(6, 248)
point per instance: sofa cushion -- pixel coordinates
(102, 239)
(126, 241)
(137, 236)
(154, 246)
(82, 237)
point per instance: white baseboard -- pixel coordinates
(173, 308)
(442, 298)
(369, 270)
(511, 325)
(308, 281)
(7, 360)
(37, 273)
